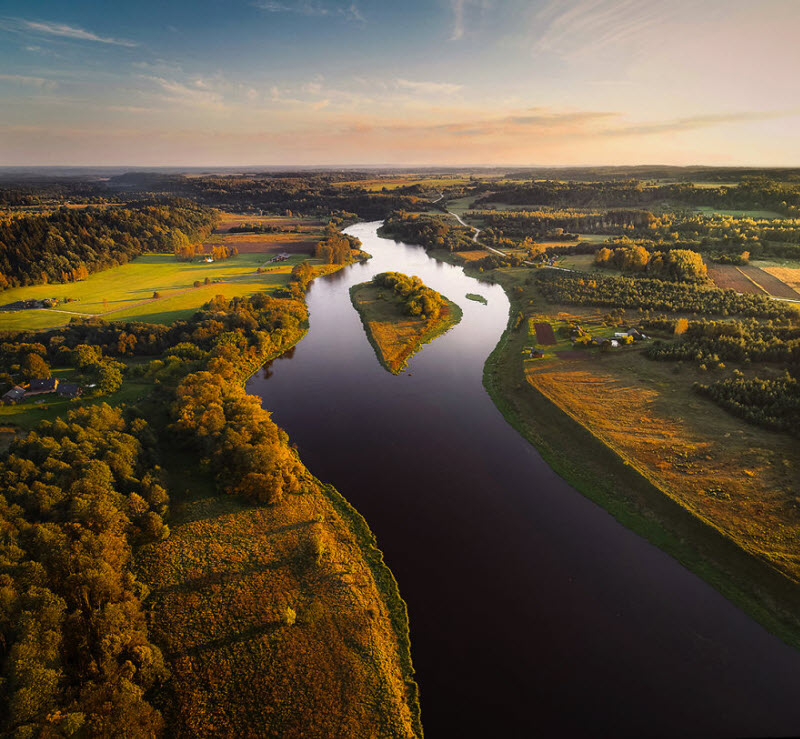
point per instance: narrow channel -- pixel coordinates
(533, 612)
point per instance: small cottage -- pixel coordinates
(13, 396)
(69, 390)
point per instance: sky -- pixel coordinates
(407, 83)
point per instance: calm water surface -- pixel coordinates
(533, 612)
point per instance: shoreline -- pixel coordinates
(765, 594)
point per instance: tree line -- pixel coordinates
(682, 265)
(71, 243)
(651, 294)
(432, 232)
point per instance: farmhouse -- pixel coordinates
(13, 396)
(69, 390)
(40, 386)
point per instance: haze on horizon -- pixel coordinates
(448, 82)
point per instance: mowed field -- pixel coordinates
(126, 292)
(788, 275)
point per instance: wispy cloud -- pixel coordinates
(428, 88)
(699, 121)
(460, 9)
(348, 11)
(59, 30)
(584, 26)
(22, 79)
(198, 95)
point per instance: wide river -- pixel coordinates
(533, 612)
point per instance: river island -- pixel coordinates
(400, 314)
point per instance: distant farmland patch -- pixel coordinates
(771, 284)
(545, 334)
(751, 279)
(728, 277)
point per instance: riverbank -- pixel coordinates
(280, 616)
(394, 335)
(559, 419)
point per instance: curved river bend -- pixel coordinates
(533, 612)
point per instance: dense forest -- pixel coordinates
(76, 659)
(299, 193)
(681, 265)
(753, 193)
(731, 340)
(79, 493)
(772, 403)
(69, 244)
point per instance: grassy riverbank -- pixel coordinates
(650, 466)
(753, 565)
(395, 335)
(281, 616)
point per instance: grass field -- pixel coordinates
(718, 494)
(395, 336)
(126, 292)
(709, 210)
(220, 589)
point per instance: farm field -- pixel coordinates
(788, 275)
(392, 182)
(751, 279)
(230, 220)
(126, 292)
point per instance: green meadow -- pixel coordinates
(126, 292)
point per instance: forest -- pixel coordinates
(657, 295)
(69, 244)
(432, 232)
(81, 492)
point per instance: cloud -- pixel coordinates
(699, 121)
(60, 30)
(459, 10)
(178, 93)
(428, 88)
(534, 121)
(349, 12)
(22, 79)
(457, 7)
(570, 27)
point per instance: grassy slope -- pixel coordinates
(395, 336)
(220, 585)
(559, 415)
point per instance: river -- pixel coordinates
(532, 611)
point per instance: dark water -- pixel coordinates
(533, 613)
